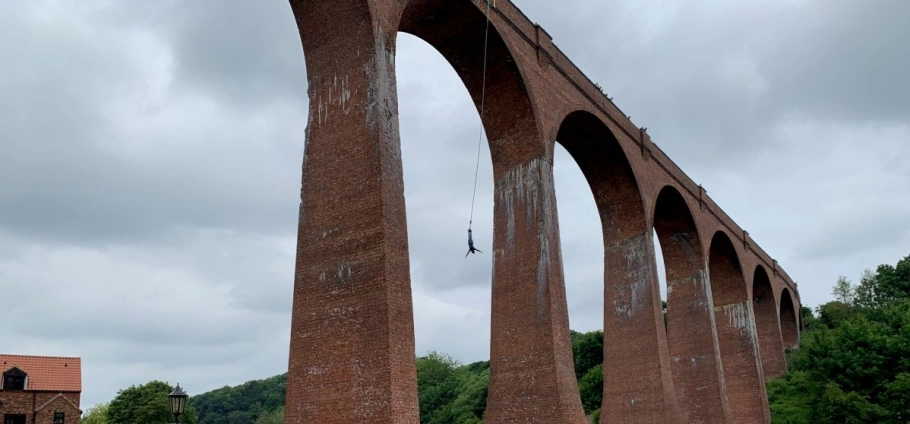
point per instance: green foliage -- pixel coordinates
(146, 404)
(893, 282)
(449, 392)
(853, 365)
(591, 388)
(453, 393)
(844, 291)
(791, 398)
(96, 414)
(588, 350)
(595, 417)
(837, 406)
(831, 314)
(242, 404)
(808, 319)
(274, 417)
(867, 290)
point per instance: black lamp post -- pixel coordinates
(177, 399)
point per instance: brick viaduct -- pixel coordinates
(732, 309)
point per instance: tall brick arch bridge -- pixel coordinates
(732, 309)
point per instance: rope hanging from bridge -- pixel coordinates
(483, 93)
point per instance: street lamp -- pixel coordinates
(177, 399)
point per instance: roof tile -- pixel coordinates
(47, 373)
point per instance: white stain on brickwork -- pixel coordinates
(344, 272)
(381, 106)
(529, 188)
(379, 71)
(543, 265)
(739, 316)
(635, 291)
(340, 93)
(327, 96)
(702, 298)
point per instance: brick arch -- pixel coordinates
(767, 324)
(350, 18)
(633, 320)
(457, 29)
(736, 332)
(352, 272)
(530, 338)
(605, 166)
(691, 336)
(789, 321)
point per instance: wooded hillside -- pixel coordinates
(853, 366)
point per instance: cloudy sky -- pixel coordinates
(150, 166)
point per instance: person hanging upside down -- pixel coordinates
(471, 248)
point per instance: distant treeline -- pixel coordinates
(448, 391)
(853, 367)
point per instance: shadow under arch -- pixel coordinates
(736, 333)
(767, 323)
(634, 337)
(691, 332)
(789, 322)
(531, 371)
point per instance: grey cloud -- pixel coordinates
(842, 235)
(846, 62)
(81, 124)
(710, 81)
(247, 53)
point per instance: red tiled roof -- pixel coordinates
(50, 373)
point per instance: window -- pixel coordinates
(58, 418)
(14, 419)
(13, 379)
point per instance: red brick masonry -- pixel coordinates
(352, 336)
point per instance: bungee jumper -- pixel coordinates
(471, 248)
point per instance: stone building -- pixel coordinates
(40, 389)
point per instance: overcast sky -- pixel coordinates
(150, 160)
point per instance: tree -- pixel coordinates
(274, 417)
(96, 414)
(591, 388)
(146, 404)
(852, 365)
(449, 392)
(844, 291)
(833, 313)
(867, 290)
(588, 350)
(807, 318)
(241, 404)
(893, 282)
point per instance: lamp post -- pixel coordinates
(177, 400)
